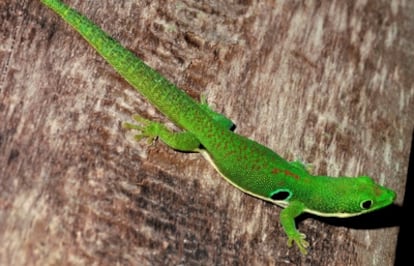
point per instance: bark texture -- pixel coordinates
(327, 82)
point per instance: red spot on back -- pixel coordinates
(275, 171)
(286, 172)
(289, 173)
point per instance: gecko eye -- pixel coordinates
(280, 194)
(366, 204)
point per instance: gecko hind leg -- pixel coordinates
(301, 165)
(217, 117)
(182, 141)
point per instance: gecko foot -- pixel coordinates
(147, 128)
(300, 241)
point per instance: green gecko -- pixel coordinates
(244, 163)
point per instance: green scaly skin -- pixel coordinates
(246, 164)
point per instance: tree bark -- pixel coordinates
(326, 82)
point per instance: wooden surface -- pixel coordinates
(327, 82)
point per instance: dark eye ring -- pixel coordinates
(281, 194)
(366, 204)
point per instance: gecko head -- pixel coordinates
(347, 197)
(373, 196)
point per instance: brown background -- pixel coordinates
(326, 82)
